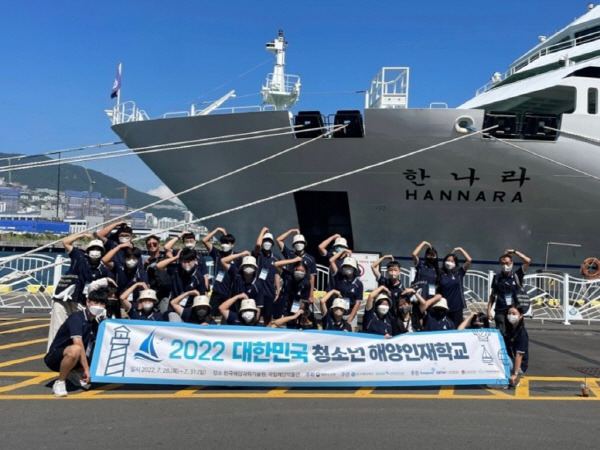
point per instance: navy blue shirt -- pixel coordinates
(222, 278)
(374, 324)
(351, 289)
(309, 261)
(328, 323)
(125, 279)
(518, 342)
(292, 290)
(233, 319)
(426, 280)
(182, 281)
(86, 272)
(266, 273)
(434, 324)
(119, 257)
(395, 289)
(505, 289)
(251, 288)
(79, 324)
(189, 316)
(201, 263)
(451, 288)
(136, 314)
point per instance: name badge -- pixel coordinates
(184, 302)
(263, 274)
(86, 288)
(220, 276)
(431, 289)
(508, 298)
(295, 307)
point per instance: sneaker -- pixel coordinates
(76, 378)
(59, 389)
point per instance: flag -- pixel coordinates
(117, 83)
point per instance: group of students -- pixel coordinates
(113, 278)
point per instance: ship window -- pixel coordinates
(588, 35)
(561, 45)
(592, 101)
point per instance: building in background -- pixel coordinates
(82, 203)
(9, 199)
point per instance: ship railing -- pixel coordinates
(389, 88)
(555, 297)
(126, 112)
(524, 62)
(291, 83)
(226, 110)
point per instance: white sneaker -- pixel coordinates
(59, 389)
(76, 378)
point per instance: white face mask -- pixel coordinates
(507, 268)
(248, 316)
(267, 245)
(124, 240)
(348, 271)
(338, 313)
(226, 247)
(299, 246)
(188, 267)
(391, 275)
(513, 319)
(98, 311)
(147, 306)
(95, 254)
(249, 270)
(449, 265)
(189, 245)
(383, 309)
(299, 274)
(131, 263)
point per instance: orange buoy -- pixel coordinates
(590, 268)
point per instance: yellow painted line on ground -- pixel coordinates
(14, 322)
(101, 390)
(22, 360)
(30, 382)
(277, 392)
(499, 393)
(23, 343)
(364, 391)
(188, 391)
(522, 390)
(19, 330)
(22, 374)
(446, 391)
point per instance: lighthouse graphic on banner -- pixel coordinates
(118, 352)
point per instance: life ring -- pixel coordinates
(590, 268)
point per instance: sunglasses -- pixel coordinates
(152, 244)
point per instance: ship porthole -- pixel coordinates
(463, 124)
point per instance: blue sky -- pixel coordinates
(59, 58)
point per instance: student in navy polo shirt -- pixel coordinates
(303, 319)
(377, 318)
(391, 280)
(333, 318)
(505, 287)
(189, 241)
(85, 267)
(339, 244)
(268, 280)
(437, 315)
(221, 281)
(408, 317)
(199, 312)
(184, 272)
(159, 280)
(144, 308)
(299, 245)
(346, 281)
(427, 271)
(131, 271)
(296, 284)
(517, 343)
(474, 321)
(245, 279)
(248, 314)
(450, 284)
(71, 350)
(121, 234)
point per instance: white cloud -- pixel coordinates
(164, 192)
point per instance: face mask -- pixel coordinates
(406, 309)
(391, 276)
(513, 319)
(226, 247)
(189, 245)
(507, 268)
(298, 275)
(249, 270)
(95, 254)
(338, 249)
(188, 267)
(98, 311)
(124, 240)
(348, 271)
(201, 314)
(438, 313)
(299, 246)
(268, 245)
(131, 263)
(338, 313)
(383, 309)
(449, 265)
(147, 306)
(248, 316)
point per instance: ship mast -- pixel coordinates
(281, 90)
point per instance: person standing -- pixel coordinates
(450, 284)
(427, 271)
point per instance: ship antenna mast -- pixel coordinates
(281, 90)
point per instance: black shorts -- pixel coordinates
(55, 357)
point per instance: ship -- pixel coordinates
(516, 166)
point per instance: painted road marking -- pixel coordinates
(21, 360)
(15, 322)
(23, 343)
(19, 330)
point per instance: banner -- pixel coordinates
(133, 351)
(364, 261)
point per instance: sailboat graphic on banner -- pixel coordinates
(486, 357)
(146, 351)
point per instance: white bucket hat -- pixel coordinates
(268, 236)
(201, 300)
(382, 296)
(441, 303)
(249, 261)
(349, 261)
(248, 304)
(95, 243)
(339, 303)
(148, 294)
(298, 238)
(340, 241)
